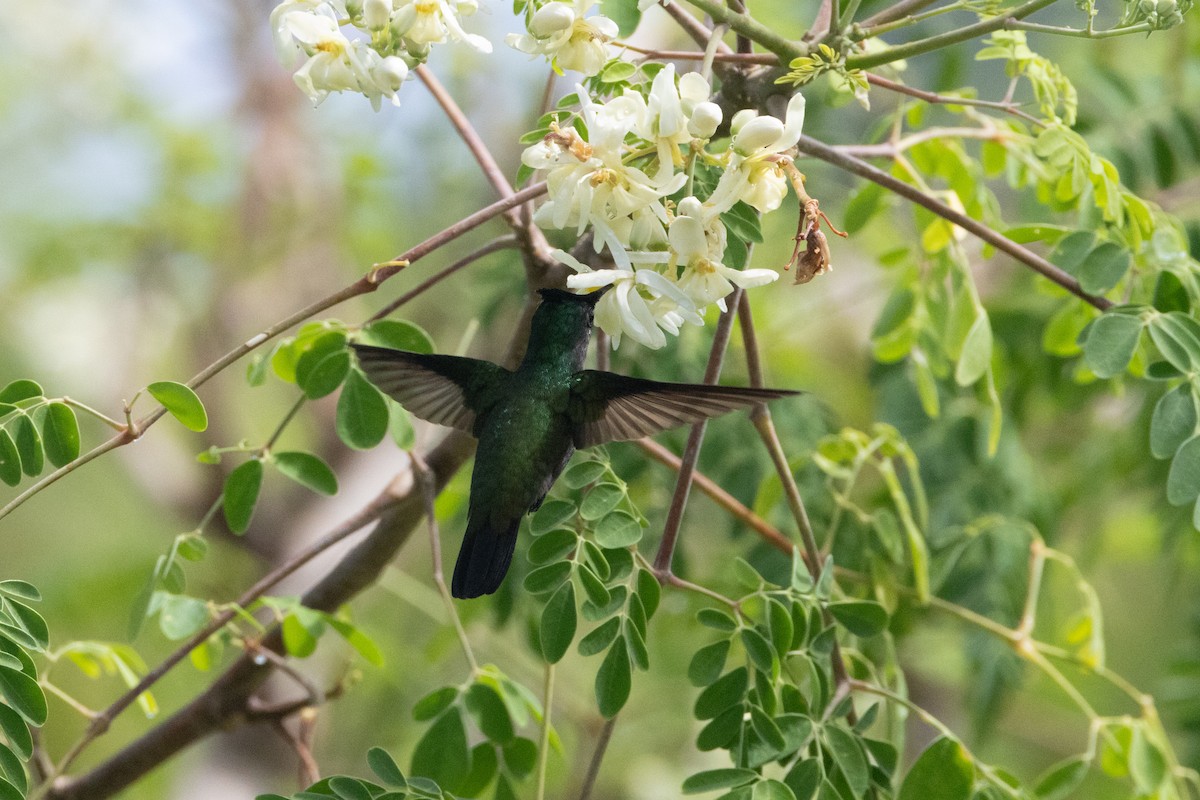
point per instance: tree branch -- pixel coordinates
(857, 166)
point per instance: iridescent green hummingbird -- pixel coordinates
(530, 421)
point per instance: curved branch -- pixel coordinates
(824, 152)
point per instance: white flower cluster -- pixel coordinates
(398, 35)
(560, 31)
(640, 151)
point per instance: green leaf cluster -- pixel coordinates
(34, 430)
(22, 701)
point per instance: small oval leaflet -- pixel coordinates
(307, 470)
(241, 494)
(181, 403)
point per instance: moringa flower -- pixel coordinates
(755, 174)
(559, 31)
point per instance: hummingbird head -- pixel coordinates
(563, 296)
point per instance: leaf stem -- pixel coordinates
(593, 770)
(107, 420)
(544, 745)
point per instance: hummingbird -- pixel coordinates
(529, 421)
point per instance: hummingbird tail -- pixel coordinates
(483, 561)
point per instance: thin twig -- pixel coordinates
(934, 98)
(691, 452)
(766, 430)
(544, 744)
(898, 11)
(429, 492)
(857, 166)
(589, 780)
(495, 245)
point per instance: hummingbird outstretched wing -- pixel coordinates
(445, 390)
(607, 407)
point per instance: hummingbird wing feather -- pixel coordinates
(606, 407)
(445, 390)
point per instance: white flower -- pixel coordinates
(376, 14)
(641, 304)
(697, 240)
(755, 174)
(667, 120)
(559, 31)
(426, 22)
(588, 183)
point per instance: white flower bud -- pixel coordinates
(757, 134)
(376, 14)
(706, 118)
(550, 19)
(690, 207)
(354, 7)
(740, 119)
(391, 73)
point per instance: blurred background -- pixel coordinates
(166, 191)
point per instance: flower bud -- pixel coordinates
(757, 134)
(740, 119)
(550, 19)
(391, 73)
(706, 118)
(690, 207)
(376, 14)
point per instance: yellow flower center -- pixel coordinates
(426, 6)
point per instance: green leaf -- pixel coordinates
(649, 590)
(976, 353)
(1060, 780)
(60, 434)
(442, 754)
(1104, 267)
(713, 779)
(12, 769)
(1110, 343)
(191, 546)
(10, 460)
(617, 529)
(1177, 336)
(320, 371)
(602, 499)
(614, 679)
(848, 754)
(241, 494)
(708, 662)
(547, 579)
(551, 515)
(553, 546)
(20, 390)
(942, 772)
(484, 764)
(21, 589)
(618, 70)
(487, 708)
(585, 472)
(347, 788)
(23, 695)
(863, 618)
(10, 792)
(559, 621)
(397, 334)
(520, 757)
(726, 691)
(716, 619)
(864, 204)
(307, 470)
(761, 654)
(804, 779)
(1183, 481)
(16, 731)
(434, 703)
(1072, 250)
(362, 644)
(29, 446)
(30, 621)
(362, 413)
(597, 593)
(767, 730)
(772, 790)
(743, 222)
(181, 403)
(623, 12)
(779, 622)
(384, 766)
(600, 638)
(180, 616)
(1147, 765)
(1173, 421)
